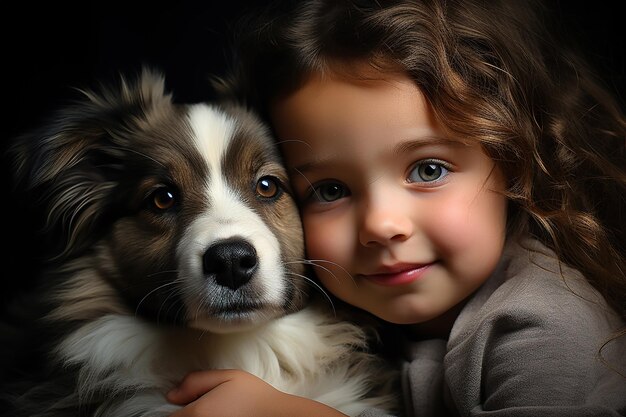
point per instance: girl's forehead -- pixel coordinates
(326, 99)
(336, 110)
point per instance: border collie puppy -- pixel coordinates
(177, 247)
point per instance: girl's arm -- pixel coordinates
(238, 393)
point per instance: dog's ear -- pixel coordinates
(70, 167)
(56, 169)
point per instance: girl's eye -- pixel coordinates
(428, 171)
(329, 192)
(163, 198)
(267, 187)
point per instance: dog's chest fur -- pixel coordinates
(307, 353)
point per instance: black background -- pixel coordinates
(49, 48)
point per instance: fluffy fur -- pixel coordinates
(177, 247)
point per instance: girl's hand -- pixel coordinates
(237, 393)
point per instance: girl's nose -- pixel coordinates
(383, 221)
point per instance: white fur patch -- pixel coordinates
(212, 132)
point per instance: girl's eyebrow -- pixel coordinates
(317, 164)
(411, 145)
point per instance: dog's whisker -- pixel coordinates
(160, 287)
(319, 287)
(201, 303)
(170, 292)
(180, 312)
(325, 269)
(309, 182)
(169, 271)
(315, 263)
(280, 142)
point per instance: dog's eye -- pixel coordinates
(268, 187)
(163, 198)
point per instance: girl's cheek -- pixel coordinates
(470, 229)
(325, 239)
(453, 226)
(314, 237)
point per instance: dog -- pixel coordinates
(175, 246)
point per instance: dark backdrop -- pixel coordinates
(49, 48)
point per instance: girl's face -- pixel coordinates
(402, 220)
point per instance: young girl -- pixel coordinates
(462, 175)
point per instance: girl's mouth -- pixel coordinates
(400, 275)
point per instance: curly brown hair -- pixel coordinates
(492, 72)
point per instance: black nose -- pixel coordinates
(231, 262)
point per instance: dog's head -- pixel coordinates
(181, 213)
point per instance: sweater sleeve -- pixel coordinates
(549, 367)
(421, 381)
(422, 384)
(534, 347)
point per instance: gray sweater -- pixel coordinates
(526, 344)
